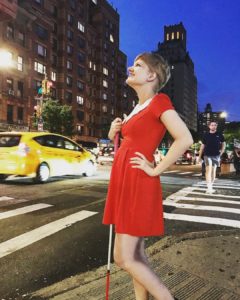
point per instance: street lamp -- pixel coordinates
(5, 59)
(223, 115)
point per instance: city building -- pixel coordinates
(207, 116)
(76, 45)
(182, 86)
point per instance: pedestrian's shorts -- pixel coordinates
(212, 160)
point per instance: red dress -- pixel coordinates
(134, 199)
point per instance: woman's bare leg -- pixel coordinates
(128, 256)
(140, 292)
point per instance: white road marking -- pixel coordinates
(202, 207)
(219, 183)
(198, 174)
(184, 173)
(173, 171)
(219, 186)
(4, 198)
(23, 210)
(179, 198)
(191, 190)
(201, 219)
(37, 234)
(12, 201)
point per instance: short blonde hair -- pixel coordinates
(157, 64)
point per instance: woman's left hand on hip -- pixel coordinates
(140, 162)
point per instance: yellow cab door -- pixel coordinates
(74, 156)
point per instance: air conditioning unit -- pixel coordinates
(11, 92)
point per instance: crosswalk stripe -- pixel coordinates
(179, 198)
(4, 198)
(37, 234)
(11, 202)
(198, 174)
(202, 207)
(191, 190)
(23, 210)
(201, 219)
(219, 183)
(173, 171)
(184, 173)
(219, 186)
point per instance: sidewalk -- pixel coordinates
(195, 266)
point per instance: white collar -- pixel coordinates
(137, 109)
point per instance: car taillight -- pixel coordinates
(188, 155)
(22, 150)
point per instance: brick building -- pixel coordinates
(76, 44)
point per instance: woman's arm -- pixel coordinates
(182, 139)
(115, 127)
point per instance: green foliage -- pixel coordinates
(232, 131)
(57, 118)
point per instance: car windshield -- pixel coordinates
(9, 140)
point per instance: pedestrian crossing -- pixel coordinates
(192, 204)
(23, 240)
(180, 172)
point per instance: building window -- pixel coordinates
(9, 82)
(10, 31)
(167, 36)
(105, 83)
(53, 76)
(81, 57)
(21, 38)
(20, 63)
(68, 96)
(73, 4)
(104, 108)
(20, 114)
(80, 115)
(90, 64)
(112, 111)
(81, 26)
(104, 96)
(79, 129)
(94, 1)
(111, 38)
(81, 42)
(69, 49)
(37, 84)
(20, 89)
(69, 65)
(81, 71)
(80, 86)
(172, 35)
(70, 19)
(40, 2)
(80, 100)
(40, 68)
(178, 35)
(41, 32)
(69, 81)
(10, 113)
(54, 60)
(105, 71)
(41, 50)
(70, 34)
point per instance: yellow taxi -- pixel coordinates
(41, 155)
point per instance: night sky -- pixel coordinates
(213, 42)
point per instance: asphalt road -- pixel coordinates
(32, 256)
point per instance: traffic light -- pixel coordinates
(44, 86)
(49, 85)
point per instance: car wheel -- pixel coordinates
(90, 169)
(3, 177)
(43, 173)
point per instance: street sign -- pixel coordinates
(40, 126)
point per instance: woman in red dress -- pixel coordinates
(134, 199)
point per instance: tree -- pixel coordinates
(57, 118)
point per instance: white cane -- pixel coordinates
(116, 139)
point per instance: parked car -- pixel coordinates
(41, 155)
(105, 155)
(187, 157)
